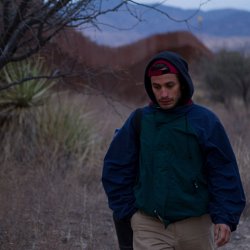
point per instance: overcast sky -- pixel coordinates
(206, 4)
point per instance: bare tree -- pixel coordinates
(27, 25)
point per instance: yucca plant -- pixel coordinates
(19, 106)
(66, 128)
(17, 100)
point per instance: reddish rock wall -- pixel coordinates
(117, 71)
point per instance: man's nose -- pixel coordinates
(164, 92)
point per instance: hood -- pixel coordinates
(184, 76)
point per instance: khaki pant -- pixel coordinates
(189, 234)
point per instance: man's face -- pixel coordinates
(167, 90)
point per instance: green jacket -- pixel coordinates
(171, 184)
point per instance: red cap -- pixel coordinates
(161, 67)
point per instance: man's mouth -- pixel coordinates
(166, 102)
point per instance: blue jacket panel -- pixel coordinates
(227, 198)
(121, 169)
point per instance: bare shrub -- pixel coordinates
(228, 79)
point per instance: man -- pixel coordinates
(176, 177)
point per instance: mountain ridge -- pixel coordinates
(224, 24)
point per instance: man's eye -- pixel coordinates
(171, 85)
(156, 87)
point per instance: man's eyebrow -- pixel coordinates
(155, 83)
(170, 81)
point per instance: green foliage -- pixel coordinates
(35, 122)
(228, 77)
(57, 134)
(16, 100)
(66, 128)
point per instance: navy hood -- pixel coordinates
(182, 67)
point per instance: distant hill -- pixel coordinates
(99, 56)
(210, 26)
(116, 71)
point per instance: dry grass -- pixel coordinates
(51, 195)
(243, 157)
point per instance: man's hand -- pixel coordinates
(222, 234)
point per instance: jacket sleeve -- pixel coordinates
(120, 170)
(227, 198)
